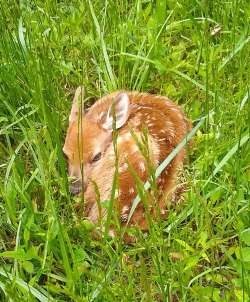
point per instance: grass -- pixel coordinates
(48, 48)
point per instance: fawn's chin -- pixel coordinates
(75, 190)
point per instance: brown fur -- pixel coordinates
(167, 126)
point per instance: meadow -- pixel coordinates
(195, 52)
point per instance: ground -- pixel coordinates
(196, 53)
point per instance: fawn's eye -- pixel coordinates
(96, 157)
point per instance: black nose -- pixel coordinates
(76, 187)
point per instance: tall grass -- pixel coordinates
(202, 251)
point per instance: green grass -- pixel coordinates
(48, 48)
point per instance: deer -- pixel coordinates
(93, 159)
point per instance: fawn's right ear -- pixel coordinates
(77, 104)
(118, 109)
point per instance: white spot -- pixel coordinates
(134, 149)
(125, 209)
(150, 124)
(171, 132)
(155, 147)
(169, 140)
(142, 166)
(163, 212)
(162, 131)
(111, 233)
(125, 154)
(175, 109)
(137, 121)
(127, 136)
(120, 139)
(131, 190)
(169, 124)
(123, 168)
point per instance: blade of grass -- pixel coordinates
(182, 216)
(2, 131)
(243, 102)
(17, 243)
(140, 78)
(103, 46)
(207, 272)
(226, 158)
(21, 31)
(28, 288)
(197, 84)
(181, 74)
(11, 161)
(99, 288)
(242, 42)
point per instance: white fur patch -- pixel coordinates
(169, 124)
(171, 132)
(142, 166)
(163, 212)
(134, 149)
(123, 138)
(127, 136)
(125, 209)
(155, 147)
(131, 190)
(123, 168)
(111, 233)
(120, 139)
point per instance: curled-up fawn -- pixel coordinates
(92, 158)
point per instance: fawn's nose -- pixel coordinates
(77, 186)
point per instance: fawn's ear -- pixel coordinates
(118, 109)
(77, 104)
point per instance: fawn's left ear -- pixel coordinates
(120, 110)
(77, 104)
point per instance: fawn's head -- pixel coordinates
(89, 135)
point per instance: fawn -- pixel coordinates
(91, 155)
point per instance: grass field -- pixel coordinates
(195, 52)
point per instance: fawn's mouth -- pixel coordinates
(76, 187)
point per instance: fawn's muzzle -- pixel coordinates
(76, 187)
